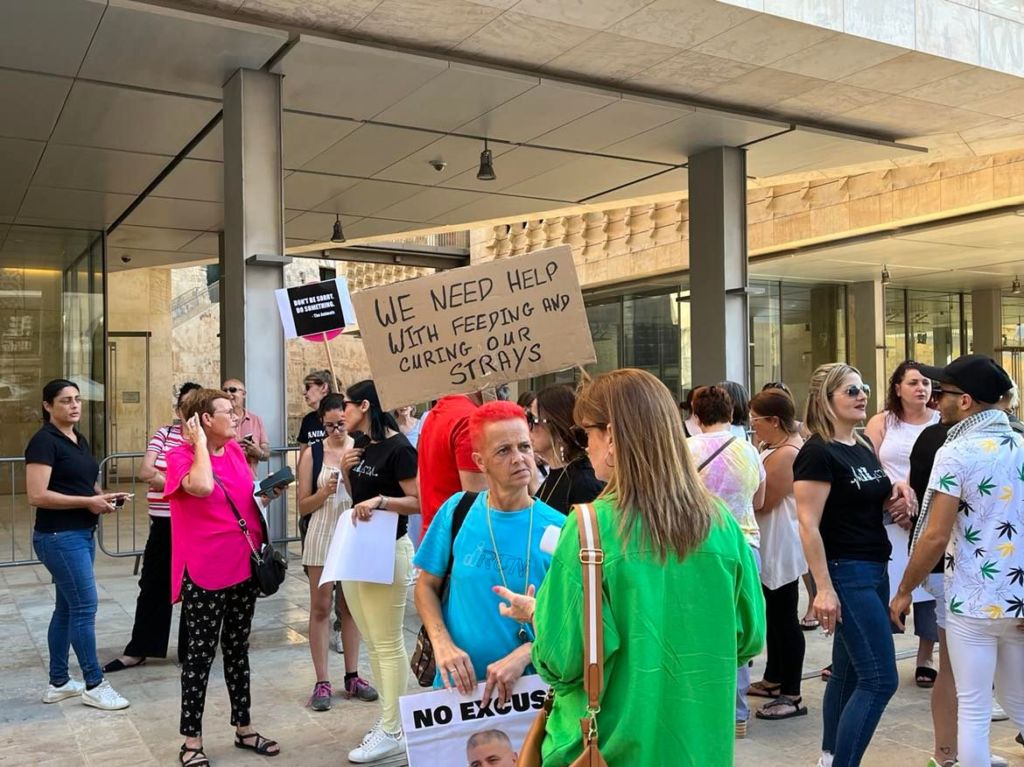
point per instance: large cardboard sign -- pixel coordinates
(466, 329)
(446, 728)
(315, 309)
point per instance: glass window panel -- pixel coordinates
(765, 334)
(934, 327)
(895, 328)
(813, 332)
(651, 337)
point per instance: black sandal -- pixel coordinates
(770, 710)
(119, 665)
(262, 745)
(198, 758)
(925, 677)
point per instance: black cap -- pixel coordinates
(976, 374)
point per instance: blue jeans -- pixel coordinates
(69, 557)
(863, 660)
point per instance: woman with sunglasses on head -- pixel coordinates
(322, 497)
(841, 493)
(152, 626)
(893, 433)
(381, 472)
(563, 447)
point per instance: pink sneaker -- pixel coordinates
(360, 689)
(320, 700)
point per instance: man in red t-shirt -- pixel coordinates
(446, 463)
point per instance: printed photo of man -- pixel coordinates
(490, 748)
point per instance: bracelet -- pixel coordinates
(383, 503)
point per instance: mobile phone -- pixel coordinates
(248, 438)
(120, 500)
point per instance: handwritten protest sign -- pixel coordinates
(446, 728)
(466, 329)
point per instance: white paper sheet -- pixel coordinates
(364, 552)
(898, 562)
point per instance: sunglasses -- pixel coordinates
(938, 391)
(232, 390)
(532, 420)
(311, 384)
(853, 391)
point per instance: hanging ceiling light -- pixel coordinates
(486, 171)
(886, 277)
(337, 235)
(1015, 287)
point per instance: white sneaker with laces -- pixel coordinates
(376, 745)
(69, 689)
(105, 697)
(998, 715)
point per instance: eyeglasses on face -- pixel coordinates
(334, 426)
(233, 390)
(853, 390)
(532, 420)
(230, 413)
(938, 391)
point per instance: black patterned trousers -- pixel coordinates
(224, 615)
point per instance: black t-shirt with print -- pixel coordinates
(576, 483)
(311, 430)
(383, 466)
(851, 524)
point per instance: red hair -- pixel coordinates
(492, 412)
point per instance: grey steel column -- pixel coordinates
(718, 266)
(252, 343)
(987, 318)
(868, 352)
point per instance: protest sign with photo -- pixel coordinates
(315, 309)
(482, 325)
(444, 728)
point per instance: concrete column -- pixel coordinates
(868, 352)
(252, 258)
(718, 266)
(987, 316)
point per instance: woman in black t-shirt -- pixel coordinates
(841, 492)
(381, 474)
(563, 447)
(60, 481)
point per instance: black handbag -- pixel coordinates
(268, 566)
(422, 659)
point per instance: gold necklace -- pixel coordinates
(523, 634)
(551, 493)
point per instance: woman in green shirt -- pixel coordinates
(682, 599)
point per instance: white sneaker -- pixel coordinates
(335, 642)
(69, 689)
(998, 761)
(376, 745)
(998, 715)
(105, 697)
(825, 760)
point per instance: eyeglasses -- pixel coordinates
(233, 390)
(230, 413)
(853, 391)
(347, 402)
(532, 420)
(938, 391)
(334, 426)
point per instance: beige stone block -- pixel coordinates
(787, 204)
(917, 200)
(834, 219)
(795, 227)
(968, 189)
(759, 210)
(913, 175)
(827, 193)
(760, 235)
(867, 184)
(865, 212)
(1008, 180)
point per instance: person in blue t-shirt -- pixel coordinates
(498, 544)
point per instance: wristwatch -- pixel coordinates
(383, 503)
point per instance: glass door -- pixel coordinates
(128, 366)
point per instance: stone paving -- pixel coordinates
(68, 733)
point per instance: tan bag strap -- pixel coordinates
(592, 559)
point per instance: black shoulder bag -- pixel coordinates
(268, 566)
(422, 660)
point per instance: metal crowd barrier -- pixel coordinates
(123, 533)
(17, 520)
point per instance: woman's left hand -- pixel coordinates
(902, 504)
(503, 674)
(363, 510)
(520, 607)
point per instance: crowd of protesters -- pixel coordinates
(707, 524)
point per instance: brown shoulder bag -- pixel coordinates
(592, 558)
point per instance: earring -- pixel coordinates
(561, 453)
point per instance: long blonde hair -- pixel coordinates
(654, 480)
(819, 416)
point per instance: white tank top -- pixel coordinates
(782, 555)
(900, 436)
